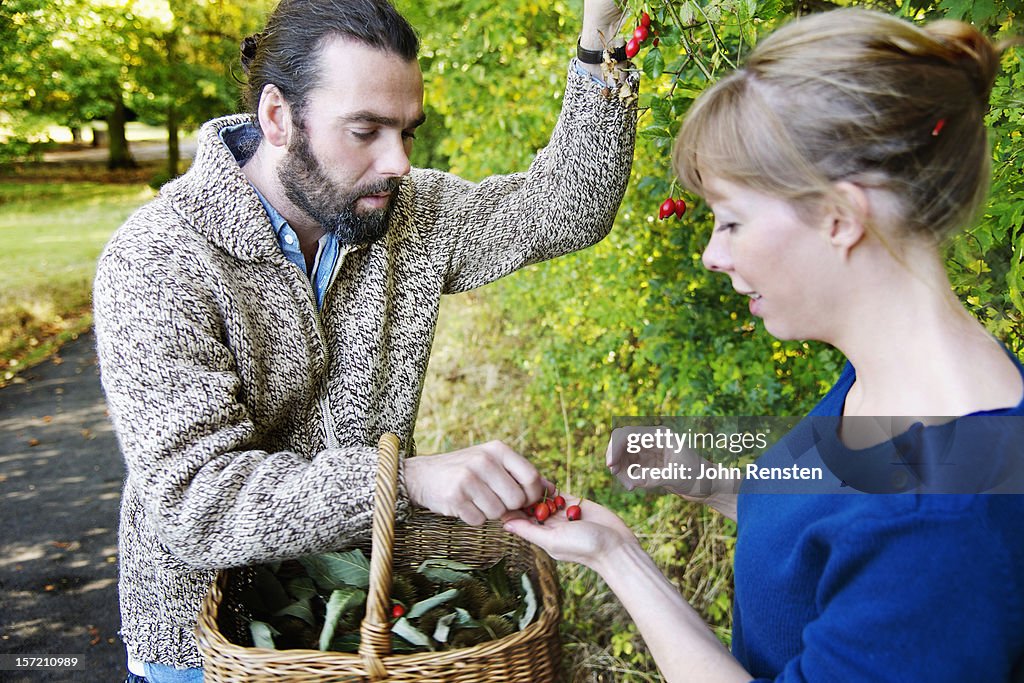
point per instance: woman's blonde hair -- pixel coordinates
(855, 95)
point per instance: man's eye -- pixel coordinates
(409, 135)
(364, 134)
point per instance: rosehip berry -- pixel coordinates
(654, 43)
(632, 47)
(559, 502)
(680, 208)
(552, 507)
(573, 513)
(667, 208)
(640, 33)
(541, 513)
(397, 611)
(645, 20)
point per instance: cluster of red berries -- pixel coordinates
(640, 35)
(397, 610)
(549, 506)
(671, 207)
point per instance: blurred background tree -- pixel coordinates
(164, 62)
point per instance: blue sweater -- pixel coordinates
(879, 587)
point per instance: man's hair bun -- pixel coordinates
(249, 47)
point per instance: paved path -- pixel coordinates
(60, 484)
(142, 150)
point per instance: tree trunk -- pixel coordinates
(120, 156)
(173, 151)
(76, 134)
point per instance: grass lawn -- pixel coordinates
(50, 236)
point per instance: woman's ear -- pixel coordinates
(274, 115)
(848, 217)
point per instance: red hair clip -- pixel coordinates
(939, 125)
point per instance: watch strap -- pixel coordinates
(586, 56)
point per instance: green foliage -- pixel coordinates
(168, 61)
(493, 74)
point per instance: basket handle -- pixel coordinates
(375, 632)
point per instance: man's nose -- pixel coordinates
(395, 160)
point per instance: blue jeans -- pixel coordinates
(159, 673)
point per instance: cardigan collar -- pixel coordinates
(215, 198)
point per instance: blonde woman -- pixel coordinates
(836, 161)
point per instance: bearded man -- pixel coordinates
(265, 319)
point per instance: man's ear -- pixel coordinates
(275, 116)
(848, 217)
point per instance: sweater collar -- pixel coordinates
(216, 199)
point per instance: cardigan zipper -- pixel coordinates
(331, 440)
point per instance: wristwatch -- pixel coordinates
(597, 56)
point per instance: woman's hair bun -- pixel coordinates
(249, 46)
(969, 49)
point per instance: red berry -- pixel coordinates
(552, 507)
(541, 513)
(632, 47)
(645, 20)
(559, 502)
(529, 509)
(654, 43)
(573, 513)
(397, 611)
(680, 208)
(640, 33)
(667, 208)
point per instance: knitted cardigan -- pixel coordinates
(246, 417)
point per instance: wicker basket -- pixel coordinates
(531, 655)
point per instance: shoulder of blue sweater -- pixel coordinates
(864, 512)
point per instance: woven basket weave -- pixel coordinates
(528, 656)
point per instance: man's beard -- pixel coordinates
(308, 187)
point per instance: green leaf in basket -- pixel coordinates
(423, 606)
(331, 571)
(300, 609)
(409, 633)
(497, 579)
(263, 634)
(459, 618)
(346, 643)
(301, 588)
(529, 602)
(267, 586)
(445, 571)
(342, 600)
(444, 627)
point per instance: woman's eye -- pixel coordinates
(728, 227)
